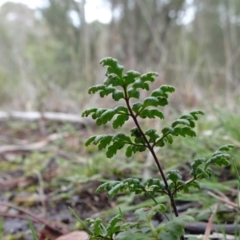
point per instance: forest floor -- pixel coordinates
(46, 170)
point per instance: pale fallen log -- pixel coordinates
(53, 116)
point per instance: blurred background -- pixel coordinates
(50, 50)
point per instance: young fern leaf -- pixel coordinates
(127, 86)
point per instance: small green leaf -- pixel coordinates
(116, 189)
(149, 77)
(87, 112)
(187, 116)
(150, 101)
(160, 143)
(96, 88)
(119, 121)
(131, 77)
(112, 149)
(105, 117)
(99, 138)
(154, 185)
(157, 113)
(167, 130)
(153, 136)
(97, 230)
(122, 137)
(140, 84)
(185, 131)
(112, 226)
(162, 91)
(107, 186)
(90, 140)
(158, 93)
(151, 113)
(196, 165)
(174, 176)
(105, 142)
(194, 184)
(133, 93)
(135, 132)
(134, 185)
(195, 113)
(167, 88)
(168, 139)
(106, 91)
(113, 80)
(117, 95)
(99, 112)
(129, 151)
(180, 121)
(175, 228)
(226, 148)
(162, 101)
(136, 107)
(121, 109)
(220, 160)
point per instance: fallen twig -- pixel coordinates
(210, 223)
(226, 201)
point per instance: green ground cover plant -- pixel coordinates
(126, 88)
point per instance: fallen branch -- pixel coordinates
(53, 116)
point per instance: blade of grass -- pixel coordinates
(81, 221)
(238, 198)
(236, 171)
(32, 229)
(1, 228)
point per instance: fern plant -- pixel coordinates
(127, 87)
